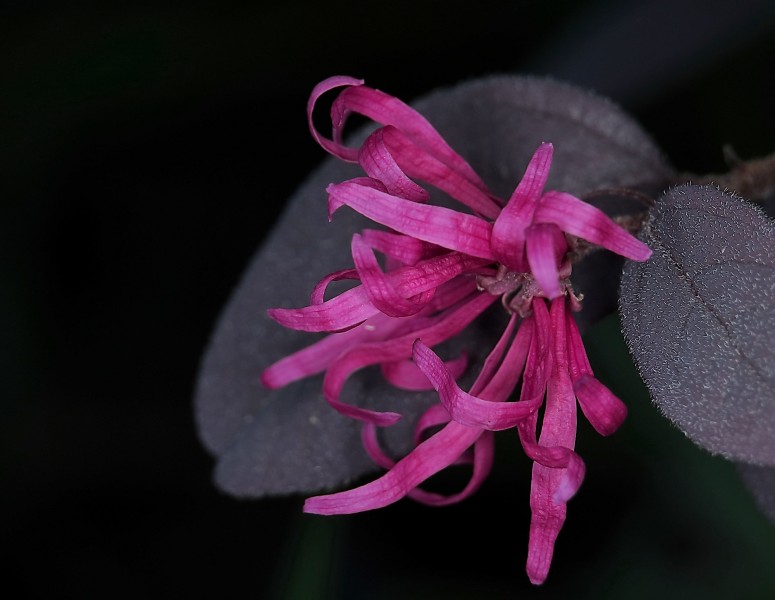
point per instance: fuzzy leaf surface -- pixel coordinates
(699, 318)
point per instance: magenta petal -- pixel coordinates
(435, 224)
(342, 312)
(378, 418)
(493, 361)
(600, 406)
(318, 293)
(378, 162)
(545, 525)
(435, 415)
(435, 272)
(443, 327)
(484, 453)
(452, 292)
(539, 359)
(577, 356)
(388, 110)
(545, 246)
(418, 163)
(406, 375)
(583, 220)
(552, 487)
(430, 457)
(339, 313)
(508, 234)
(432, 273)
(353, 306)
(335, 148)
(505, 378)
(406, 250)
(464, 408)
(372, 447)
(379, 289)
(317, 357)
(559, 424)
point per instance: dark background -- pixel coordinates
(146, 148)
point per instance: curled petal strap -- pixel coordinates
(453, 292)
(406, 375)
(583, 220)
(508, 235)
(372, 447)
(353, 306)
(344, 311)
(318, 293)
(467, 409)
(577, 355)
(436, 224)
(378, 162)
(381, 293)
(334, 147)
(494, 358)
(369, 437)
(434, 454)
(406, 250)
(484, 452)
(388, 110)
(545, 247)
(505, 378)
(442, 328)
(318, 356)
(418, 163)
(604, 410)
(435, 415)
(552, 487)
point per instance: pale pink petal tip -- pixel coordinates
(571, 480)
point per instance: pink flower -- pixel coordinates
(443, 269)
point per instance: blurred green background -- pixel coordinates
(145, 150)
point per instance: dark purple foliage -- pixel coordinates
(699, 320)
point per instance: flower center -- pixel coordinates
(517, 290)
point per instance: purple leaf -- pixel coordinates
(699, 318)
(290, 440)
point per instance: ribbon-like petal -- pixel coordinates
(435, 224)
(431, 456)
(552, 487)
(353, 306)
(378, 162)
(493, 413)
(406, 375)
(379, 289)
(443, 327)
(602, 408)
(546, 246)
(508, 234)
(583, 220)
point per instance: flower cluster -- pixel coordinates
(442, 269)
